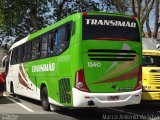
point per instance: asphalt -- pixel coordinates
(21, 108)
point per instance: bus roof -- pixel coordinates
(19, 42)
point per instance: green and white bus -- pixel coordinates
(88, 59)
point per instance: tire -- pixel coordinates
(44, 99)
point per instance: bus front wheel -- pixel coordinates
(44, 99)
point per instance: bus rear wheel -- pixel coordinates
(44, 99)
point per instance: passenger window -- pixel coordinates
(61, 38)
(14, 56)
(37, 45)
(55, 39)
(35, 49)
(19, 55)
(68, 33)
(51, 43)
(27, 51)
(22, 52)
(44, 46)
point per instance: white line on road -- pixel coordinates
(20, 104)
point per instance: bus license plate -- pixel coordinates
(113, 98)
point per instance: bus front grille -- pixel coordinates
(111, 55)
(154, 79)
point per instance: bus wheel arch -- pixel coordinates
(44, 97)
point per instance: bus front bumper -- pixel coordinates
(101, 100)
(150, 95)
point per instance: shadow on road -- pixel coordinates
(145, 110)
(83, 114)
(8, 99)
(30, 100)
(5, 100)
(98, 114)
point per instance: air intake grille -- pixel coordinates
(154, 79)
(64, 90)
(155, 71)
(111, 55)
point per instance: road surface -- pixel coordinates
(21, 108)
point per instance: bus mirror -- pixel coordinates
(158, 46)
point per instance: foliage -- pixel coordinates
(22, 17)
(18, 18)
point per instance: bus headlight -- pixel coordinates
(146, 88)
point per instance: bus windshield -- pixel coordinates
(151, 61)
(104, 27)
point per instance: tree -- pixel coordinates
(63, 8)
(142, 10)
(18, 18)
(30, 16)
(24, 19)
(157, 20)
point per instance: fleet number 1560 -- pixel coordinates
(94, 64)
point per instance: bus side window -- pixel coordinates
(33, 55)
(27, 51)
(20, 53)
(68, 33)
(61, 41)
(35, 49)
(55, 39)
(51, 43)
(37, 45)
(44, 46)
(62, 38)
(14, 56)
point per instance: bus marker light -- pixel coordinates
(84, 13)
(88, 97)
(134, 17)
(80, 81)
(136, 95)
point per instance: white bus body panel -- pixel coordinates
(100, 100)
(13, 76)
